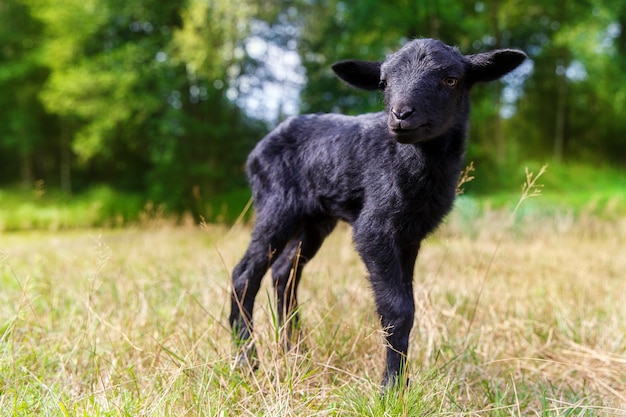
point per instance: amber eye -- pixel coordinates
(450, 81)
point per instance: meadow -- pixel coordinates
(519, 312)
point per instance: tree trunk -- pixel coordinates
(498, 130)
(26, 168)
(65, 158)
(561, 115)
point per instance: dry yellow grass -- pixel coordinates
(529, 320)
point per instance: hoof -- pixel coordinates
(246, 358)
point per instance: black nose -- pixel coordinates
(403, 113)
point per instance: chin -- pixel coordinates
(408, 137)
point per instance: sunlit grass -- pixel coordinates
(42, 209)
(513, 318)
(574, 189)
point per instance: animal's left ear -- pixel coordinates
(490, 66)
(360, 74)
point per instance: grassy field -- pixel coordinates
(513, 318)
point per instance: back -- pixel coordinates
(316, 162)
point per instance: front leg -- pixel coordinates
(391, 274)
(396, 308)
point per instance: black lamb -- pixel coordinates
(392, 175)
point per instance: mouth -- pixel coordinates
(404, 135)
(411, 135)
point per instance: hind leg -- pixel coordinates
(269, 237)
(287, 270)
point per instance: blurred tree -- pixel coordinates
(23, 122)
(106, 82)
(578, 86)
(152, 97)
(212, 135)
(140, 89)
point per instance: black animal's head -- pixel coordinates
(426, 85)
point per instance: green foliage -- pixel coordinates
(150, 98)
(210, 33)
(24, 123)
(130, 93)
(40, 209)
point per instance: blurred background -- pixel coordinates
(111, 110)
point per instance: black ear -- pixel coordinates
(490, 66)
(360, 74)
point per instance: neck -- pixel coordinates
(450, 145)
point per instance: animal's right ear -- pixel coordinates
(360, 74)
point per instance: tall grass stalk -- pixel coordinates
(530, 189)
